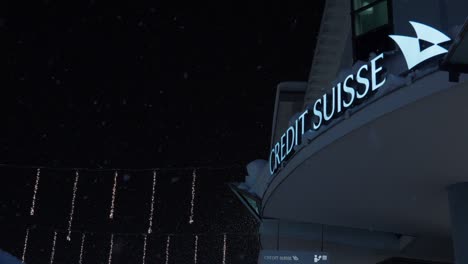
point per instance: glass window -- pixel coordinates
(252, 203)
(370, 18)
(360, 3)
(249, 200)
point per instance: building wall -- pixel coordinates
(288, 102)
(364, 247)
(411, 10)
(442, 14)
(457, 12)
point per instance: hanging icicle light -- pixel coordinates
(150, 227)
(36, 186)
(83, 237)
(114, 190)
(224, 248)
(144, 249)
(70, 219)
(109, 260)
(168, 244)
(192, 202)
(195, 251)
(52, 252)
(25, 246)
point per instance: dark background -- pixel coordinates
(141, 85)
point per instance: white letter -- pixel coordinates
(301, 117)
(376, 86)
(296, 131)
(282, 147)
(272, 170)
(362, 80)
(338, 98)
(289, 147)
(348, 90)
(317, 113)
(278, 161)
(327, 117)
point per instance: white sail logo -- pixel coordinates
(410, 46)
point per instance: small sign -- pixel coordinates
(292, 257)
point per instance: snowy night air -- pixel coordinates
(321, 132)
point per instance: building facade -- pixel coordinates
(368, 156)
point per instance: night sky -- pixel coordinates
(133, 86)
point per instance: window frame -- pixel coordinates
(242, 195)
(389, 26)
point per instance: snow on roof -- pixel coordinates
(7, 258)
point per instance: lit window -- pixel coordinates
(370, 17)
(252, 203)
(360, 3)
(372, 23)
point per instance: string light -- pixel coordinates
(52, 252)
(140, 234)
(150, 227)
(144, 249)
(25, 245)
(83, 237)
(111, 215)
(195, 251)
(114, 189)
(168, 244)
(36, 186)
(224, 248)
(192, 202)
(109, 260)
(75, 188)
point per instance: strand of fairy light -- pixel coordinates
(168, 244)
(224, 248)
(36, 187)
(150, 227)
(25, 246)
(70, 220)
(109, 260)
(195, 251)
(114, 190)
(144, 249)
(52, 252)
(192, 202)
(83, 237)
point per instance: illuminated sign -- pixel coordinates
(292, 257)
(354, 89)
(410, 46)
